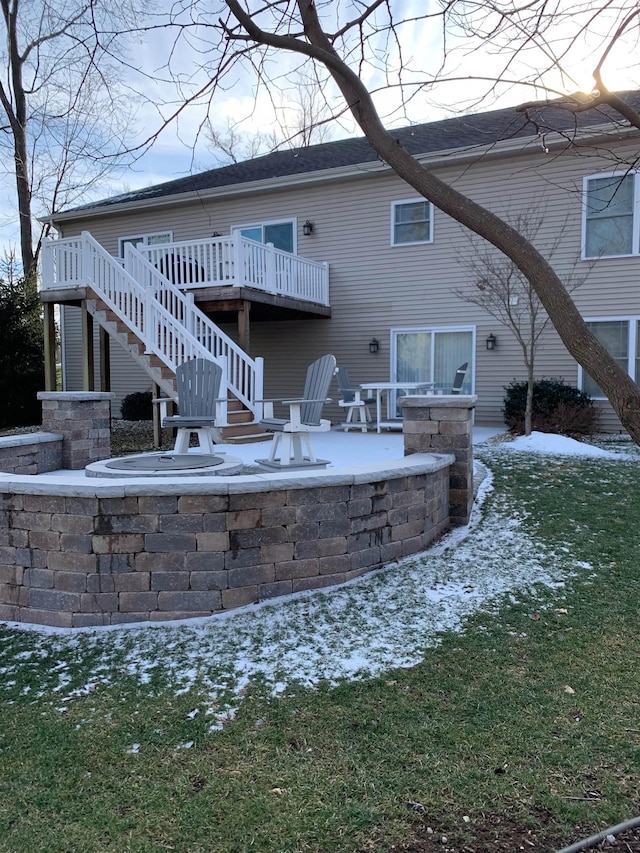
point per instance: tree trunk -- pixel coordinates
(528, 411)
(17, 115)
(23, 191)
(622, 391)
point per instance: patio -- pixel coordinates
(342, 448)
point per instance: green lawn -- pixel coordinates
(528, 717)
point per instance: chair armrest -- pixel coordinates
(162, 403)
(300, 402)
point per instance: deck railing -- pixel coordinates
(238, 261)
(164, 319)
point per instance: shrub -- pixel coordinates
(21, 355)
(137, 406)
(557, 407)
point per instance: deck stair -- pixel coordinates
(241, 426)
(158, 324)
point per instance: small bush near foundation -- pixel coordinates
(557, 408)
(137, 406)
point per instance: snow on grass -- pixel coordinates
(556, 445)
(367, 627)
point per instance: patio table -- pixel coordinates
(386, 388)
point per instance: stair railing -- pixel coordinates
(165, 320)
(245, 374)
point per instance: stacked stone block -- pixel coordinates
(68, 560)
(84, 420)
(439, 424)
(31, 453)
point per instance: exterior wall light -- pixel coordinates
(307, 228)
(374, 345)
(491, 342)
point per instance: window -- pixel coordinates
(281, 233)
(620, 337)
(144, 240)
(411, 222)
(610, 215)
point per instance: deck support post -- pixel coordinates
(88, 360)
(244, 325)
(50, 375)
(105, 360)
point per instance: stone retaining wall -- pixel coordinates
(105, 552)
(83, 418)
(76, 555)
(444, 424)
(31, 453)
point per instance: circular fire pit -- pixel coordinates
(166, 465)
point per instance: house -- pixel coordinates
(274, 261)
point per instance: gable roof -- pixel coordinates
(468, 133)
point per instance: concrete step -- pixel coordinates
(249, 438)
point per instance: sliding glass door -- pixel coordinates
(432, 355)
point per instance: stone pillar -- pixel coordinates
(443, 424)
(84, 419)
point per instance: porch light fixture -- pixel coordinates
(491, 342)
(374, 345)
(307, 228)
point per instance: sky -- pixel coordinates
(386, 619)
(181, 149)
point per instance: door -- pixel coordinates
(432, 355)
(281, 234)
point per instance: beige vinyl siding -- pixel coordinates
(375, 287)
(126, 375)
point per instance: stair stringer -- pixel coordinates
(239, 428)
(118, 331)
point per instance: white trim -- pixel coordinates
(635, 213)
(393, 223)
(293, 220)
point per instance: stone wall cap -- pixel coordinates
(439, 401)
(23, 438)
(60, 484)
(76, 396)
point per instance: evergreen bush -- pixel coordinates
(21, 355)
(137, 406)
(557, 407)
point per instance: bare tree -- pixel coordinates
(232, 145)
(565, 53)
(499, 288)
(64, 118)
(374, 50)
(302, 118)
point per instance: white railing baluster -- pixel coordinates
(167, 321)
(146, 299)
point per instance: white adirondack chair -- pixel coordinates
(291, 445)
(458, 379)
(353, 401)
(198, 385)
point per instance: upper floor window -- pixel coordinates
(281, 233)
(411, 222)
(610, 215)
(620, 336)
(144, 240)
